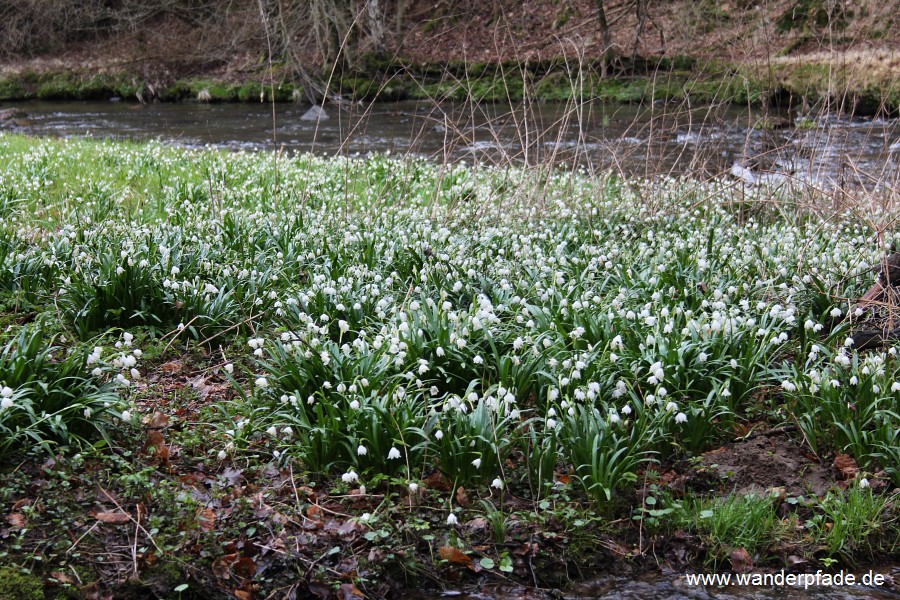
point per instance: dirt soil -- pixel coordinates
(769, 461)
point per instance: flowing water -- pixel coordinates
(828, 150)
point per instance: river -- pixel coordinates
(826, 150)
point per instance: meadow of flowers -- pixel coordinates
(382, 319)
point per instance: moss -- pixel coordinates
(18, 585)
(251, 92)
(11, 89)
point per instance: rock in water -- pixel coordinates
(743, 173)
(315, 113)
(11, 113)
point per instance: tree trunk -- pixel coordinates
(375, 22)
(605, 39)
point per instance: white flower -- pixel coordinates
(350, 476)
(439, 435)
(262, 382)
(671, 407)
(551, 423)
(222, 455)
(681, 418)
(863, 483)
(788, 386)
(451, 519)
(476, 463)
(126, 415)
(365, 517)
(497, 483)
(393, 453)
(229, 368)
(413, 486)
(835, 312)
(362, 450)
(354, 404)
(626, 409)
(6, 403)
(272, 431)
(97, 372)
(703, 356)
(6, 392)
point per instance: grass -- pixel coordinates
(408, 341)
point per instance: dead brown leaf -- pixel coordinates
(437, 481)
(16, 519)
(348, 591)
(113, 518)
(243, 594)
(245, 567)
(221, 567)
(206, 518)
(158, 420)
(172, 367)
(61, 577)
(454, 555)
(461, 497)
(846, 466)
(741, 562)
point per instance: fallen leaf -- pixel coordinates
(206, 518)
(244, 568)
(314, 512)
(90, 591)
(221, 567)
(61, 577)
(20, 503)
(16, 519)
(461, 497)
(158, 420)
(348, 591)
(563, 478)
(243, 594)
(741, 561)
(437, 481)
(172, 367)
(113, 518)
(846, 466)
(156, 441)
(476, 525)
(454, 555)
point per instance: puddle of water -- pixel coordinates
(641, 141)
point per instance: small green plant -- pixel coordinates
(851, 523)
(48, 397)
(733, 522)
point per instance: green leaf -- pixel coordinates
(487, 563)
(182, 587)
